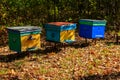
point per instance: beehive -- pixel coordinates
(24, 38)
(60, 31)
(89, 28)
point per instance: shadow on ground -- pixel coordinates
(112, 43)
(48, 48)
(112, 76)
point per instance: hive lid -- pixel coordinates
(25, 28)
(59, 23)
(93, 22)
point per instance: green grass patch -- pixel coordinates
(3, 71)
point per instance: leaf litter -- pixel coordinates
(70, 63)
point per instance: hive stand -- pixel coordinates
(117, 38)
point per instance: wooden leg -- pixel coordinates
(94, 41)
(117, 41)
(86, 40)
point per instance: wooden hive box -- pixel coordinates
(89, 28)
(60, 31)
(24, 38)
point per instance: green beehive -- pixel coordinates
(24, 38)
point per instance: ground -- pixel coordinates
(77, 61)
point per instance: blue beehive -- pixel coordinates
(92, 28)
(60, 31)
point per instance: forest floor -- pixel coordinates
(77, 61)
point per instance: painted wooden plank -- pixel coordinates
(28, 42)
(67, 35)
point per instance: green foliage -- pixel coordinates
(37, 12)
(3, 35)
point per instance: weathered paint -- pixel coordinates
(67, 35)
(30, 42)
(92, 22)
(24, 38)
(60, 31)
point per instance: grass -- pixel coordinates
(18, 64)
(3, 71)
(119, 33)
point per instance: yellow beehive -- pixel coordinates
(24, 38)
